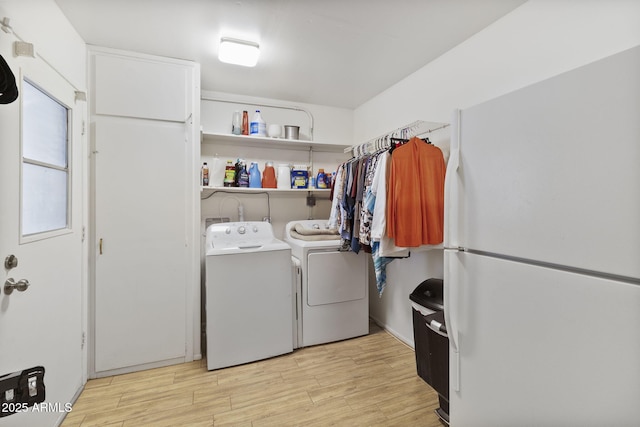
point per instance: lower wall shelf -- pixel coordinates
(205, 192)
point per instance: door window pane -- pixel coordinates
(44, 127)
(45, 169)
(44, 205)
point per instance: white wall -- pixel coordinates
(540, 39)
(536, 41)
(331, 124)
(42, 23)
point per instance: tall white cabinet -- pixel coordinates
(144, 124)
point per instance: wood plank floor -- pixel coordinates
(366, 381)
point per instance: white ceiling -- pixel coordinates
(330, 52)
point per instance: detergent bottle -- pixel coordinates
(269, 176)
(321, 179)
(254, 176)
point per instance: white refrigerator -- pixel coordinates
(542, 253)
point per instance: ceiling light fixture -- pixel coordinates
(238, 52)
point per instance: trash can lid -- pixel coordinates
(429, 294)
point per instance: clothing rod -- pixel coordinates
(433, 130)
(410, 128)
(293, 107)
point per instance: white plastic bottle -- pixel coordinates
(257, 127)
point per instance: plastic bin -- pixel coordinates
(431, 340)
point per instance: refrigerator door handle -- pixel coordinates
(451, 199)
(451, 300)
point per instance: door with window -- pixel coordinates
(41, 238)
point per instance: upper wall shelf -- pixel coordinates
(279, 143)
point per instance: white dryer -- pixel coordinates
(332, 291)
(248, 294)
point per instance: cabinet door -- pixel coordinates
(143, 113)
(141, 262)
(140, 87)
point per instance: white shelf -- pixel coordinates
(206, 191)
(279, 143)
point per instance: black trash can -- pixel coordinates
(431, 340)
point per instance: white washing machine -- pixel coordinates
(332, 291)
(248, 294)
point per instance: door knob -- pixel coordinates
(11, 284)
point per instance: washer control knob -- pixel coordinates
(316, 227)
(242, 229)
(228, 230)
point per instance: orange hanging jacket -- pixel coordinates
(415, 194)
